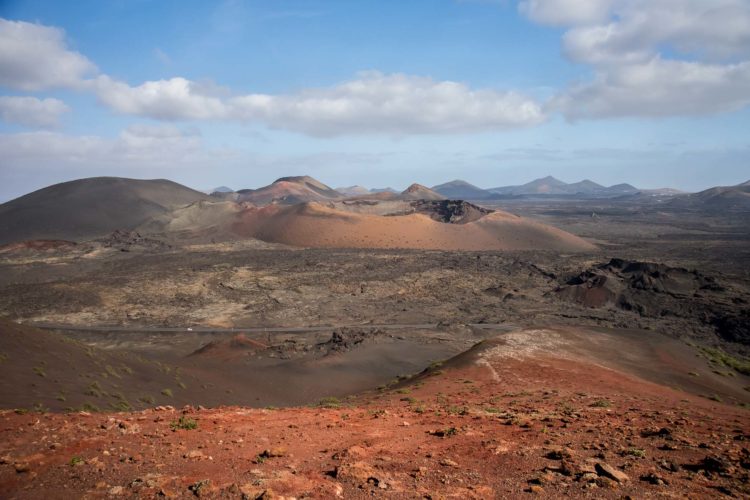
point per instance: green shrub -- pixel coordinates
(184, 423)
(329, 402)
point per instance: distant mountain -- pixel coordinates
(290, 190)
(584, 187)
(383, 190)
(545, 185)
(420, 192)
(461, 190)
(353, 190)
(623, 188)
(720, 199)
(87, 208)
(222, 189)
(552, 186)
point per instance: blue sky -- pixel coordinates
(378, 93)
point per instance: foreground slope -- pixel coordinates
(51, 371)
(534, 411)
(87, 208)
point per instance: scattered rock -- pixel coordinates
(654, 479)
(274, 452)
(606, 470)
(22, 467)
(559, 453)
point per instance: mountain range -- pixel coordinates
(546, 186)
(93, 207)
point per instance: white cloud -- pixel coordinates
(374, 103)
(659, 88)
(652, 57)
(35, 57)
(566, 12)
(174, 99)
(32, 112)
(711, 30)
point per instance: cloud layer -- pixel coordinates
(32, 112)
(650, 58)
(625, 42)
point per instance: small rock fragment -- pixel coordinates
(606, 470)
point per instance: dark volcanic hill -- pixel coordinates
(716, 199)
(461, 190)
(289, 191)
(87, 208)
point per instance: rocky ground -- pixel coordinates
(585, 417)
(507, 419)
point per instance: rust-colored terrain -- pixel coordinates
(514, 416)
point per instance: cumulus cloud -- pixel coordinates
(659, 88)
(373, 103)
(626, 42)
(394, 104)
(36, 57)
(32, 112)
(173, 99)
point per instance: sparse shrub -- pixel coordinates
(40, 408)
(721, 358)
(149, 400)
(635, 452)
(94, 390)
(76, 461)
(61, 397)
(329, 402)
(457, 410)
(182, 385)
(39, 370)
(436, 364)
(121, 405)
(184, 423)
(112, 371)
(167, 392)
(601, 403)
(90, 407)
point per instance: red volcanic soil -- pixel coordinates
(316, 225)
(506, 419)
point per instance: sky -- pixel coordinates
(378, 93)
